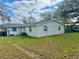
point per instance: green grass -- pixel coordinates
(65, 46)
(7, 51)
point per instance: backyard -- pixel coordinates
(65, 46)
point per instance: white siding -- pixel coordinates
(17, 32)
(51, 30)
(0, 29)
(38, 31)
(33, 32)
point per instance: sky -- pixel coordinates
(3, 2)
(46, 1)
(7, 2)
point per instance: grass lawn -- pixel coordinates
(64, 46)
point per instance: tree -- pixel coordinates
(3, 15)
(68, 9)
(47, 15)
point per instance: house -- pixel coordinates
(38, 29)
(45, 28)
(13, 29)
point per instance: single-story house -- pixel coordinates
(38, 29)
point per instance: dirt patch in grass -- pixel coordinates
(7, 51)
(74, 55)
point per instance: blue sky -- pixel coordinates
(7, 0)
(3, 2)
(9, 10)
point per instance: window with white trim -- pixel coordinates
(45, 28)
(14, 29)
(30, 29)
(59, 27)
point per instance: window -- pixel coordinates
(59, 27)
(45, 28)
(30, 29)
(14, 28)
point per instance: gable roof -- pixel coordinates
(11, 25)
(31, 24)
(44, 22)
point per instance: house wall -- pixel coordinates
(18, 31)
(0, 29)
(38, 31)
(52, 29)
(33, 32)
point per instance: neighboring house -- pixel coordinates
(14, 29)
(38, 29)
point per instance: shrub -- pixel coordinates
(23, 34)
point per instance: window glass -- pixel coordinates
(30, 29)
(45, 28)
(14, 28)
(59, 27)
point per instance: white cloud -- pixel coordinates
(50, 1)
(22, 8)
